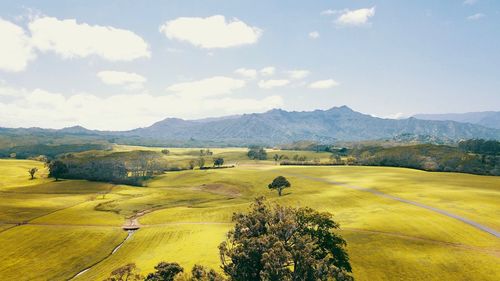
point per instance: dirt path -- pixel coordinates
(414, 203)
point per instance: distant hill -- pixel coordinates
(490, 119)
(278, 127)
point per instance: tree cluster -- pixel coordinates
(257, 153)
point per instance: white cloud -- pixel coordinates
(355, 17)
(398, 115)
(70, 39)
(247, 73)
(477, 16)
(314, 34)
(330, 12)
(268, 71)
(470, 2)
(211, 32)
(298, 74)
(323, 84)
(130, 80)
(273, 83)
(118, 112)
(15, 47)
(209, 87)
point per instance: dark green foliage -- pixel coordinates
(257, 153)
(218, 162)
(279, 183)
(132, 167)
(165, 151)
(488, 147)
(50, 151)
(165, 272)
(429, 157)
(283, 243)
(57, 169)
(128, 272)
(199, 273)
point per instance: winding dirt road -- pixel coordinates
(414, 203)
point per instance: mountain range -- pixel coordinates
(490, 119)
(281, 127)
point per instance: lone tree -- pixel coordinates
(32, 172)
(201, 162)
(283, 243)
(128, 272)
(279, 183)
(57, 168)
(218, 162)
(165, 271)
(276, 157)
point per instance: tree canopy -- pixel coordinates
(283, 243)
(279, 183)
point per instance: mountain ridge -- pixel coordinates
(278, 126)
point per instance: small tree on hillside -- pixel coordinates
(276, 158)
(32, 172)
(57, 168)
(165, 151)
(218, 161)
(128, 272)
(192, 164)
(279, 183)
(165, 272)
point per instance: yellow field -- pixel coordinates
(72, 225)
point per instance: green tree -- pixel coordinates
(279, 183)
(165, 272)
(165, 151)
(57, 168)
(257, 153)
(128, 272)
(192, 164)
(32, 172)
(219, 161)
(276, 157)
(200, 273)
(281, 243)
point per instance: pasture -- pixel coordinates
(53, 230)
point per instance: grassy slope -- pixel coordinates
(388, 240)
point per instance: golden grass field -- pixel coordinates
(71, 225)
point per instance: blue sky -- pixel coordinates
(125, 64)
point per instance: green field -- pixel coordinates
(71, 225)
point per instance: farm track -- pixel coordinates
(414, 203)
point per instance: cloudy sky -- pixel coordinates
(125, 64)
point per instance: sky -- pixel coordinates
(117, 65)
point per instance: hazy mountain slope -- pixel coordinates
(279, 126)
(489, 119)
(270, 128)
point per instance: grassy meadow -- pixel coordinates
(52, 230)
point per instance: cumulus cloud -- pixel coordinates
(211, 32)
(118, 112)
(268, 71)
(477, 16)
(273, 83)
(314, 34)
(247, 73)
(70, 39)
(323, 84)
(128, 79)
(15, 47)
(298, 74)
(355, 17)
(209, 87)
